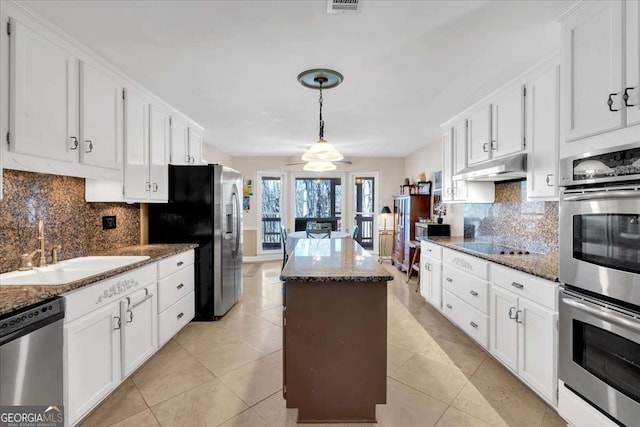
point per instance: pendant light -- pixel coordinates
(322, 153)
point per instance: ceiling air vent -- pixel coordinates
(343, 6)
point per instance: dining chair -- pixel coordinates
(319, 233)
(354, 235)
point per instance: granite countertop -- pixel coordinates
(333, 260)
(541, 265)
(16, 297)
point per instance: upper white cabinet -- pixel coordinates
(600, 77)
(186, 143)
(159, 138)
(44, 95)
(479, 134)
(542, 133)
(507, 121)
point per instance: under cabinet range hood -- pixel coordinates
(502, 169)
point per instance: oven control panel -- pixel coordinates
(622, 164)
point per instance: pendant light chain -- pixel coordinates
(321, 121)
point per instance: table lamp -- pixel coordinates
(385, 210)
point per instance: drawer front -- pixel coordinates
(174, 287)
(471, 321)
(174, 263)
(175, 318)
(467, 263)
(89, 298)
(473, 290)
(431, 249)
(522, 284)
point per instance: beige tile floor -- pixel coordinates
(229, 373)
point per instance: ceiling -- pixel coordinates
(231, 66)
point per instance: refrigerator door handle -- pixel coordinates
(236, 220)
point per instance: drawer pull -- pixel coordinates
(474, 324)
(518, 313)
(511, 316)
(180, 263)
(517, 285)
(179, 316)
(474, 293)
(449, 306)
(180, 286)
(449, 279)
(429, 250)
(118, 323)
(130, 316)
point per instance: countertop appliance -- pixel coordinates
(205, 208)
(426, 229)
(31, 355)
(599, 358)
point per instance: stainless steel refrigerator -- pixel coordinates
(205, 208)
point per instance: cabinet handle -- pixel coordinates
(484, 147)
(548, 179)
(449, 279)
(474, 293)
(610, 101)
(188, 159)
(90, 146)
(511, 316)
(75, 143)
(494, 144)
(118, 324)
(518, 313)
(517, 285)
(130, 316)
(147, 186)
(180, 286)
(449, 306)
(193, 160)
(179, 316)
(626, 97)
(474, 324)
(429, 250)
(179, 263)
(155, 187)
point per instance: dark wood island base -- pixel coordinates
(335, 332)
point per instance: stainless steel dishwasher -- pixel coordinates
(31, 355)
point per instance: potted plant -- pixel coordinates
(441, 210)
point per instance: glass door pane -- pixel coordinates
(271, 196)
(364, 205)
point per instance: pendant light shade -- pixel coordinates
(322, 151)
(314, 166)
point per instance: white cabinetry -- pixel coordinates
(507, 121)
(431, 273)
(176, 302)
(105, 336)
(479, 134)
(599, 66)
(65, 109)
(146, 149)
(186, 143)
(465, 294)
(542, 133)
(523, 327)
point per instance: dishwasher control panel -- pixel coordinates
(30, 318)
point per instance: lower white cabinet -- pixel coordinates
(176, 301)
(524, 334)
(139, 318)
(431, 273)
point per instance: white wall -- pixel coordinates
(429, 160)
(212, 155)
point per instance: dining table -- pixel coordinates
(292, 238)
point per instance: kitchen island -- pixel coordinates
(335, 331)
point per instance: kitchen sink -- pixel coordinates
(68, 271)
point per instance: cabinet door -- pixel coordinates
(507, 131)
(159, 153)
(44, 96)
(139, 313)
(136, 163)
(537, 347)
(195, 147)
(100, 117)
(543, 134)
(592, 53)
(504, 329)
(459, 187)
(479, 134)
(447, 164)
(632, 84)
(92, 361)
(435, 283)
(179, 143)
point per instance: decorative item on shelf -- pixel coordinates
(384, 212)
(423, 187)
(441, 210)
(407, 181)
(437, 181)
(422, 177)
(246, 193)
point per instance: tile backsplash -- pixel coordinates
(513, 221)
(68, 219)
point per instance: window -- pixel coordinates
(318, 199)
(364, 208)
(271, 218)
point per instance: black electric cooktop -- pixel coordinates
(492, 249)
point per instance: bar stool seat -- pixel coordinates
(415, 261)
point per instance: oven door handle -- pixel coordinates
(608, 316)
(614, 194)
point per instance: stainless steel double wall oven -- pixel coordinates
(600, 275)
